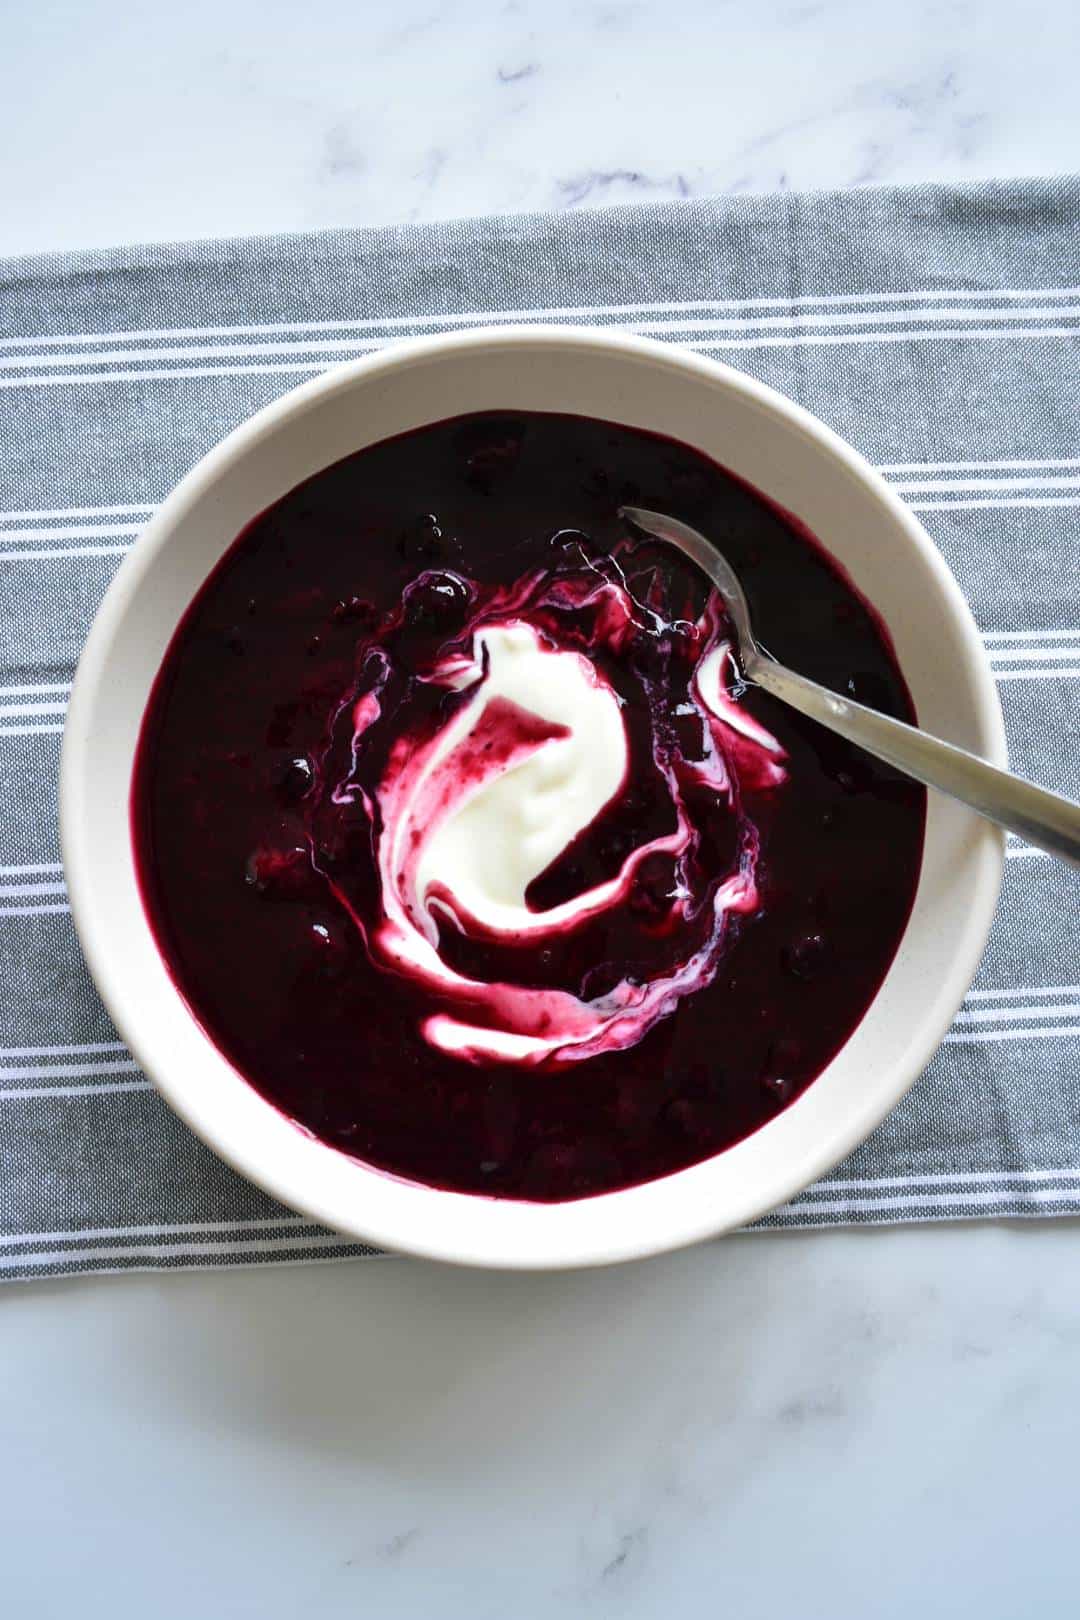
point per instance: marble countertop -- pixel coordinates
(875, 1425)
(130, 122)
(845, 1424)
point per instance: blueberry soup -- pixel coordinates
(465, 842)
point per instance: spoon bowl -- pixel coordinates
(1045, 819)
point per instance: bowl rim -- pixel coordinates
(696, 1222)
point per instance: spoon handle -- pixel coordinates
(1036, 815)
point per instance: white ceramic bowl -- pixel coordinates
(780, 449)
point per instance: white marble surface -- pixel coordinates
(860, 1425)
(130, 121)
(875, 1425)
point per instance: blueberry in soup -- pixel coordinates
(464, 840)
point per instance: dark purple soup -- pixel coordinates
(465, 842)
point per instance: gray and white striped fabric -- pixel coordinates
(936, 328)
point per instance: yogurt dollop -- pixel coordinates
(530, 761)
(505, 747)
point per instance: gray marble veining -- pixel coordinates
(129, 122)
(859, 1426)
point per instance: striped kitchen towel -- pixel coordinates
(938, 328)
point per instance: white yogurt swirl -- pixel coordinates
(469, 814)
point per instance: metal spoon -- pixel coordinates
(1036, 815)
